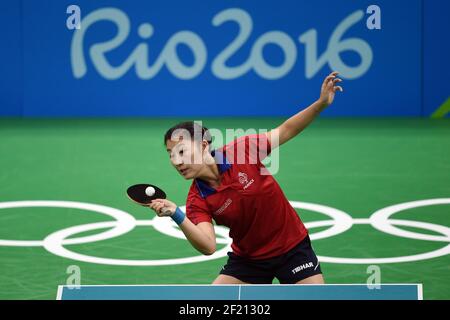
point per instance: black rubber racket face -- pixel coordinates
(137, 194)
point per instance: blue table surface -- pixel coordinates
(242, 292)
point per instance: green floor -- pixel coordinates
(354, 165)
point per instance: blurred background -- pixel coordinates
(88, 89)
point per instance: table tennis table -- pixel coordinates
(242, 292)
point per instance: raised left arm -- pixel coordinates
(298, 122)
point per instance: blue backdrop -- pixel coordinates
(222, 58)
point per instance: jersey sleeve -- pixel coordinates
(196, 209)
(249, 149)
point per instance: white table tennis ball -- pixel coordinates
(150, 191)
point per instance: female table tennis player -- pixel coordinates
(231, 187)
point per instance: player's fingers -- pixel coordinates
(159, 202)
(160, 206)
(165, 212)
(329, 85)
(161, 209)
(338, 88)
(328, 79)
(158, 212)
(331, 76)
(336, 80)
(155, 203)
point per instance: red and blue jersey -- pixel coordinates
(249, 201)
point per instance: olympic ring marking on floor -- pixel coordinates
(380, 221)
(53, 244)
(124, 223)
(379, 218)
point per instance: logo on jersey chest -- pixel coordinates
(243, 179)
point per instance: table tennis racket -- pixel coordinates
(137, 194)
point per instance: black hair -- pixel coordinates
(194, 128)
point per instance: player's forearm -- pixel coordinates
(198, 238)
(298, 122)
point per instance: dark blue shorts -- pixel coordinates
(297, 264)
